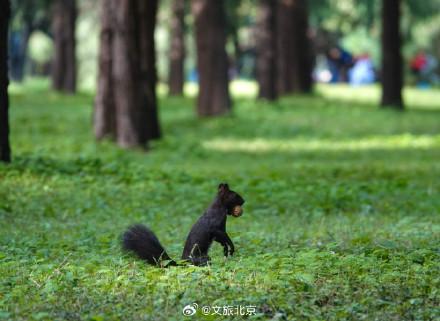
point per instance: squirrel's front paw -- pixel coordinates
(231, 252)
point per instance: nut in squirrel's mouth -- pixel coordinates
(237, 211)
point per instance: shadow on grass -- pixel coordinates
(301, 117)
(199, 159)
(54, 166)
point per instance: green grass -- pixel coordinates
(341, 217)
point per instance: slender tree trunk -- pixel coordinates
(64, 62)
(266, 49)
(5, 149)
(148, 77)
(126, 106)
(105, 108)
(177, 55)
(212, 60)
(392, 77)
(295, 58)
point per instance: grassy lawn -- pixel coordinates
(341, 218)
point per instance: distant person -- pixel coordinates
(362, 72)
(418, 62)
(423, 66)
(321, 72)
(339, 62)
(428, 74)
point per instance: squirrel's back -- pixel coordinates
(142, 241)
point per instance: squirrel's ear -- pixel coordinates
(223, 187)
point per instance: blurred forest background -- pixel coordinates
(285, 46)
(353, 25)
(323, 114)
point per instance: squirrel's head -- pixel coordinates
(232, 200)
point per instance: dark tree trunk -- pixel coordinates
(392, 77)
(126, 72)
(295, 58)
(147, 11)
(126, 106)
(212, 60)
(5, 149)
(105, 108)
(266, 49)
(177, 51)
(64, 62)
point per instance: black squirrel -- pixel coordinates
(211, 226)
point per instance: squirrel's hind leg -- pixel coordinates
(200, 261)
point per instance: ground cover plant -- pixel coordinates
(341, 220)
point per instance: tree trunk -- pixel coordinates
(177, 51)
(64, 62)
(212, 60)
(105, 108)
(148, 77)
(5, 149)
(392, 77)
(125, 74)
(126, 106)
(295, 59)
(266, 49)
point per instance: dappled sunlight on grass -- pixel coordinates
(259, 145)
(362, 94)
(414, 98)
(30, 84)
(238, 88)
(244, 88)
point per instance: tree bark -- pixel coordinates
(64, 62)
(105, 108)
(5, 149)
(177, 51)
(295, 59)
(125, 73)
(126, 104)
(212, 60)
(148, 77)
(266, 50)
(392, 76)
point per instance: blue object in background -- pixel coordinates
(193, 76)
(339, 61)
(362, 72)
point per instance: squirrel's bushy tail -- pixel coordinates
(142, 241)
